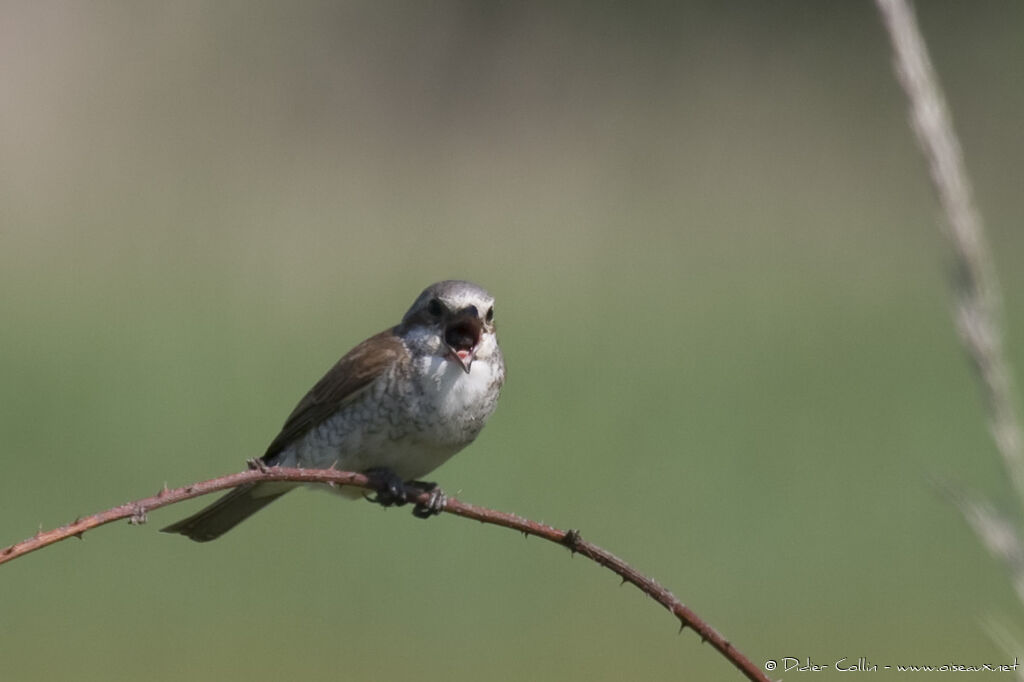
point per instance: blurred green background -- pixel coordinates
(721, 293)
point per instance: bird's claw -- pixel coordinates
(433, 506)
(389, 487)
(392, 491)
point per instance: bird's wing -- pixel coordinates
(346, 379)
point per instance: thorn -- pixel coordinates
(622, 583)
(256, 464)
(682, 626)
(572, 539)
(138, 517)
(163, 491)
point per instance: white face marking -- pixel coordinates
(427, 340)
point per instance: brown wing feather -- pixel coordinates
(352, 373)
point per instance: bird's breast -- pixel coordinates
(412, 419)
(452, 403)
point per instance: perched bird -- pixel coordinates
(396, 406)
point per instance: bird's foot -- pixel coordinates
(434, 504)
(389, 487)
(392, 491)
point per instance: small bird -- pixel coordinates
(395, 407)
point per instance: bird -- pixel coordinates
(395, 407)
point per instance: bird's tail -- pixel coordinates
(230, 510)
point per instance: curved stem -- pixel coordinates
(136, 512)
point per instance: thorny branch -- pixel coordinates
(136, 513)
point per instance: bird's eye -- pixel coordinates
(435, 308)
(490, 314)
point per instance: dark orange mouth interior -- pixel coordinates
(462, 336)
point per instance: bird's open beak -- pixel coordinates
(462, 336)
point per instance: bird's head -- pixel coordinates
(453, 319)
